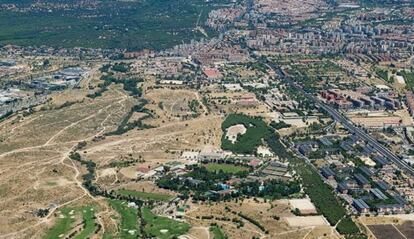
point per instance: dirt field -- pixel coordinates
(305, 206)
(306, 221)
(390, 226)
(407, 229)
(146, 186)
(35, 170)
(223, 102)
(234, 131)
(386, 231)
(172, 105)
(271, 215)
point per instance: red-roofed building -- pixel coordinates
(143, 168)
(211, 73)
(255, 162)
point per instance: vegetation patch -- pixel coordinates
(227, 168)
(247, 143)
(320, 193)
(89, 224)
(129, 219)
(162, 227)
(276, 146)
(217, 232)
(383, 74)
(126, 126)
(65, 223)
(62, 226)
(347, 227)
(194, 105)
(279, 125)
(408, 77)
(134, 25)
(253, 221)
(145, 195)
(272, 189)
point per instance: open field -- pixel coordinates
(162, 227)
(157, 145)
(148, 187)
(220, 102)
(307, 221)
(145, 195)
(172, 105)
(217, 233)
(407, 229)
(128, 226)
(385, 231)
(63, 224)
(390, 226)
(78, 221)
(227, 168)
(89, 227)
(264, 213)
(36, 172)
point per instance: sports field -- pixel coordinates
(227, 168)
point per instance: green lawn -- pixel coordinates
(62, 225)
(129, 220)
(65, 223)
(217, 233)
(383, 74)
(155, 224)
(227, 168)
(145, 195)
(409, 78)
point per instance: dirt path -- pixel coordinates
(66, 161)
(262, 235)
(84, 119)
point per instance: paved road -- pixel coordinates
(384, 151)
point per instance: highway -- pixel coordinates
(384, 151)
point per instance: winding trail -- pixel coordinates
(65, 160)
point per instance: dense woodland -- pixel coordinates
(135, 25)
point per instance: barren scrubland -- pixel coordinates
(37, 173)
(271, 215)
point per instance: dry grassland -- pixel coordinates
(263, 212)
(36, 173)
(35, 170)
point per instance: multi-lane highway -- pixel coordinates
(384, 151)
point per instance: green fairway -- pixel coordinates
(129, 221)
(88, 216)
(162, 227)
(62, 225)
(66, 222)
(217, 233)
(227, 168)
(145, 195)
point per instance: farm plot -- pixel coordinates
(386, 231)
